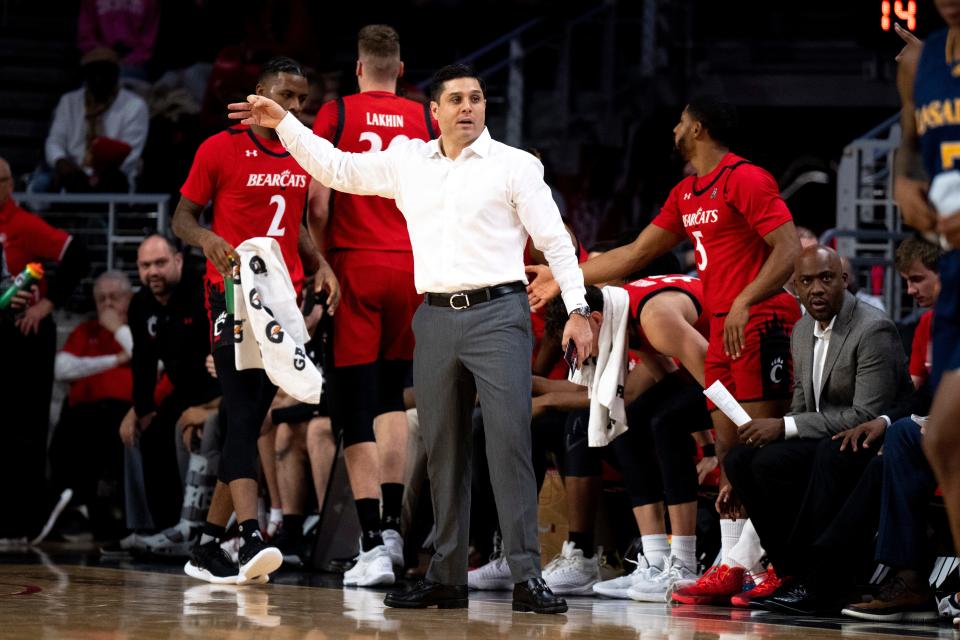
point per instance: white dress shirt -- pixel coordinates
(468, 218)
(821, 343)
(127, 119)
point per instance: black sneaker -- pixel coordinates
(257, 560)
(210, 563)
(291, 546)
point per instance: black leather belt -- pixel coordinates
(466, 299)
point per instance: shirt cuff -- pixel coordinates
(886, 420)
(574, 297)
(790, 430)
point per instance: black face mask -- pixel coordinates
(101, 79)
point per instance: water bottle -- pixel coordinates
(228, 285)
(32, 274)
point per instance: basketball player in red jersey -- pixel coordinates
(256, 189)
(745, 243)
(366, 241)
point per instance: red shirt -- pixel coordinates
(920, 356)
(257, 190)
(642, 290)
(372, 121)
(27, 238)
(91, 339)
(726, 213)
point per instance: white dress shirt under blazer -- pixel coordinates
(468, 218)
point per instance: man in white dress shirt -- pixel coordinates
(470, 203)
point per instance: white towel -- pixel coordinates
(270, 331)
(604, 376)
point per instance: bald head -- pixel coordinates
(160, 266)
(6, 182)
(820, 282)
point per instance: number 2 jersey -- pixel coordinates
(725, 214)
(257, 189)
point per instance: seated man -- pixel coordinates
(98, 132)
(892, 496)
(86, 450)
(849, 368)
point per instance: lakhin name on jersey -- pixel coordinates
(285, 179)
(700, 216)
(385, 120)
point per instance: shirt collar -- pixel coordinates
(479, 147)
(823, 333)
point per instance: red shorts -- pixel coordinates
(764, 371)
(377, 302)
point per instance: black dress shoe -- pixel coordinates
(429, 594)
(800, 600)
(534, 595)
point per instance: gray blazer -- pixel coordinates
(865, 372)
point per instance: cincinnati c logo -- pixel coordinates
(776, 371)
(274, 332)
(257, 265)
(255, 301)
(218, 323)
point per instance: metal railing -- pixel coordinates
(110, 225)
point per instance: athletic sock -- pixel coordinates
(368, 510)
(655, 549)
(730, 531)
(684, 548)
(250, 530)
(293, 525)
(212, 533)
(582, 541)
(392, 493)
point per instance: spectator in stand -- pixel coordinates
(918, 263)
(168, 318)
(128, 27)
(28, 335)
(98, 132)
(854, 287)
(86, 449)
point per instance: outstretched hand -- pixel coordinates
(910, 41)
(542, 287)
(257, 110)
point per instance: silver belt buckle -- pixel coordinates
(465, 299)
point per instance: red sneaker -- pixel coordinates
(716, 586)
(763, 590)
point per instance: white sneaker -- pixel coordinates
(659, 587)
(493, 576)
(570, 573)
(176, 541)
(617, 587)
(394, 544)
(373, 567)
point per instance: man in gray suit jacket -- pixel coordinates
(849, 368)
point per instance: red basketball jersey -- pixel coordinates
(370, 121)
(726, 213)
(257, 190)
(642, 290)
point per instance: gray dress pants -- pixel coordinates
(482, 350)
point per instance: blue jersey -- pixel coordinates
(936, 94)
